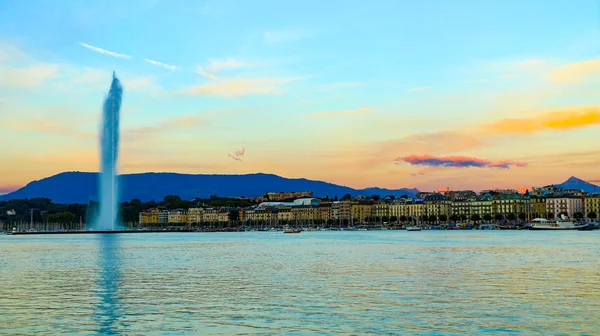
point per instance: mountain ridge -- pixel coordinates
(81, 187)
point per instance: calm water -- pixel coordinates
(427, 283)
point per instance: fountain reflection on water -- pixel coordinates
(109, 147)
(107, 312)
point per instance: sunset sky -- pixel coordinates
(426, 94)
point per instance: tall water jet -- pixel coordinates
(108, 216)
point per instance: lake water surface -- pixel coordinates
(362, 282)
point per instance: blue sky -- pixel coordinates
(343, 91)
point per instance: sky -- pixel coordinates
(429, 94)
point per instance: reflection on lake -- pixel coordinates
(348, 282)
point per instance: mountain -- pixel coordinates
(80, 187)
(575, 183)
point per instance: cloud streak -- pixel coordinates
(104, 51)
(457, 161)
(201, 71)
(556, 120)
(417, 89)
(164, 65)
(343, 113)
(576, 72)
(237, 154)
(229, 88)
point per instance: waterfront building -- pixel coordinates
(592, 204)
(514, 203)
(223, 215)
(210, 215)
(565, 205)
(163, 217)
(399, 208)
(482, 205)
(335, 210)
(345, 211)
(461, 207)
(454, 195)
(177, 216)
(324, 211)
(284, 214)
(361, 210)
(537, 207)
(304, 213)
(381, 210)
(149, 216)
(194, 215)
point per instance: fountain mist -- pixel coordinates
(109, 149)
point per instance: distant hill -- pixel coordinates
(576, 183)
(80, 187)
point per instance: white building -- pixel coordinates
(567, 205)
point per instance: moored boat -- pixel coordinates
(559, 224)
(413, 228)
(290, 230)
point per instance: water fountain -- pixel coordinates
(108, 216)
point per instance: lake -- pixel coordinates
(361, 282)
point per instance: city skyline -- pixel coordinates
(390, 94)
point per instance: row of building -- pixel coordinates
(463, 205)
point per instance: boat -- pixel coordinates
(555, 224)
(290, 230)
(413, 228)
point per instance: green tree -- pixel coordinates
(487, 217)
(443, 218)
(454, 218)
(475, 217)
(171, 199)
(550, 215)
(463, 217)
(375, 197)
(234, 214)
(498, 217)
(61, 218)
(403, 219)
(522, 216)
(578, 215)
(393, 219)
(432, 218)
(385, 219)
(346, 197)
(511, 216)
(592, 215)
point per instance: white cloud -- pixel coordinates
(104, 51)
(29, 77)
(204, 73)
(167, 66)
(284, 35)
(8, 52)
(416, 89)
(239, 87)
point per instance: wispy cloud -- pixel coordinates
(237, 154)
(229, 63)
(29, 77)
(576, 72)
(104, 51)
(239, 87)
(343, 113)
(171, 125)
(457, 161)
(419, 173)
(284, 35)
(437, 142)
(557, 120)
(201, 71)
(164, 65)
(416, 89)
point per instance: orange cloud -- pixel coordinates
(239, 87)
(576, 72)
(559, 120)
